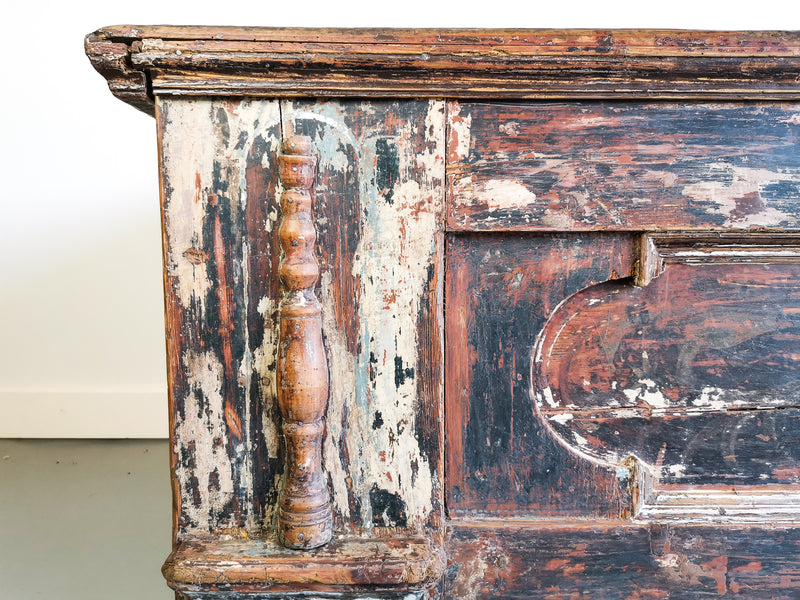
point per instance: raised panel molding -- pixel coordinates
(688, 376)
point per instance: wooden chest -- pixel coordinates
(477, 314)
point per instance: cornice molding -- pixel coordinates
(142, 62)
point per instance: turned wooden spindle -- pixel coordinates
(304, 518)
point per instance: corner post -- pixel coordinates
(305, 516)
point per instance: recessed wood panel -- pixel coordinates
(623, 166)
(500, 457)
(696, 374)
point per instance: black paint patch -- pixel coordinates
(221, 118)
(377, 423)
(388, 509)
(401, 374)
(387, 168)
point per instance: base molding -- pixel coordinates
(229, 567)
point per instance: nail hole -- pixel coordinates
(301, 537)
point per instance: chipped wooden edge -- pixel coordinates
(347, 561)
(140, 62)
(112, 61)
(305, 518)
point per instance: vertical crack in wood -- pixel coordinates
(305, 516)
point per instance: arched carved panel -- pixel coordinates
(694, 373)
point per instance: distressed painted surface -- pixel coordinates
(620, 561)
(379, 217)
(623, 166)
(696, 374)
(218, 175)
(379, 220)
(500, 291)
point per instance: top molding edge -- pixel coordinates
(141, 62)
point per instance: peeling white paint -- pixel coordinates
(204, 410)
(396, 246)
(460, 129)
(264, 363)
(792, 119)
(341, 365)
(191, 146)
(745, 181)
(579, 439)
(187, 160)
(199, 137)
(509, 128)
(711, 398)
(504, 194)
(561, 418)
(647, 392)
(677, 470)
(548, 396)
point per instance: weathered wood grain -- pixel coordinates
(380, 219)
(620, 561)
(631, 166)
(140, 61)
(500, 291)
(381, 315)
(218, 177)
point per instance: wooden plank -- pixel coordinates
(618, 560)
(632, 166)
(379, 206)
(218, 175)
(578, 41)
(500, 457)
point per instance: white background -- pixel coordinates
(81, 311)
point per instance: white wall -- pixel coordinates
(81, 315)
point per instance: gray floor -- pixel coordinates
(84, 519)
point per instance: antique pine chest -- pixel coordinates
(477, 314)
